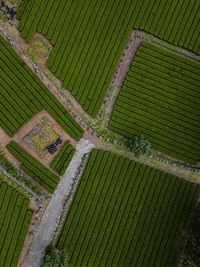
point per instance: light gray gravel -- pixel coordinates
(50, 220)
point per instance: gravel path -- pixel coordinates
(50, 220)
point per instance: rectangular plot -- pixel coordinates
(110, 229)
(153, 86)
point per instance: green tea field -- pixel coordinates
(126, 214)
(34, 168)
(22, 95)
(161, 100)
(89, 36)
(62, 160)
(14, 222)
(100, 124)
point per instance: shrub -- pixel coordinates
(139, 145)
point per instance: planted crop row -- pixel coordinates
(23, 95)
(33, 168)
(62, 160)
(14, 222)
(160, 99)
(89, 36)
(120, 208)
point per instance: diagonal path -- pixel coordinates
(50, 220)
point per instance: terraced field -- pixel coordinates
(22, 95)
(62, 160)
(126, 214)
(89, 36)
(33, 168)
(14, 222)
(161, 100)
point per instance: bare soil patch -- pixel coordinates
(26, 129)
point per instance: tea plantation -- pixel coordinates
(90, 35)
(126, 214)
(62, 160)
(14, 222)
(161, 100)
(22, 95)
(34, 168)
(123, 213)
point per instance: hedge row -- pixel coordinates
(14, 222)
(33, 168)
(126, 214)
(62, 160)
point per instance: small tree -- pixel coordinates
(55, 258)
(139, 146)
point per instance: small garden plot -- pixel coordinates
(15, 218)
(160, 99)
(42, 135)
(45, 137)
(126, 214)
(62, 160)
(39, 50)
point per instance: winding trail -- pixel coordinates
(53, 212)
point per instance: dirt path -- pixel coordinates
(122, 70)
(50, 220)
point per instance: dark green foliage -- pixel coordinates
(126, 214)
(33, 168)
(139, 146)
(160, 99)
(89, 36)
(14, 222)
(191, 257)
(55, 258)
(62, 160)
(22, 95)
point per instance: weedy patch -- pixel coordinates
(39, 50)
(42, 135)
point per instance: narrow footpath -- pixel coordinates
(53, 212)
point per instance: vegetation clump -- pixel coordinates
(139, 145)
(191, 257)
(55, 258)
